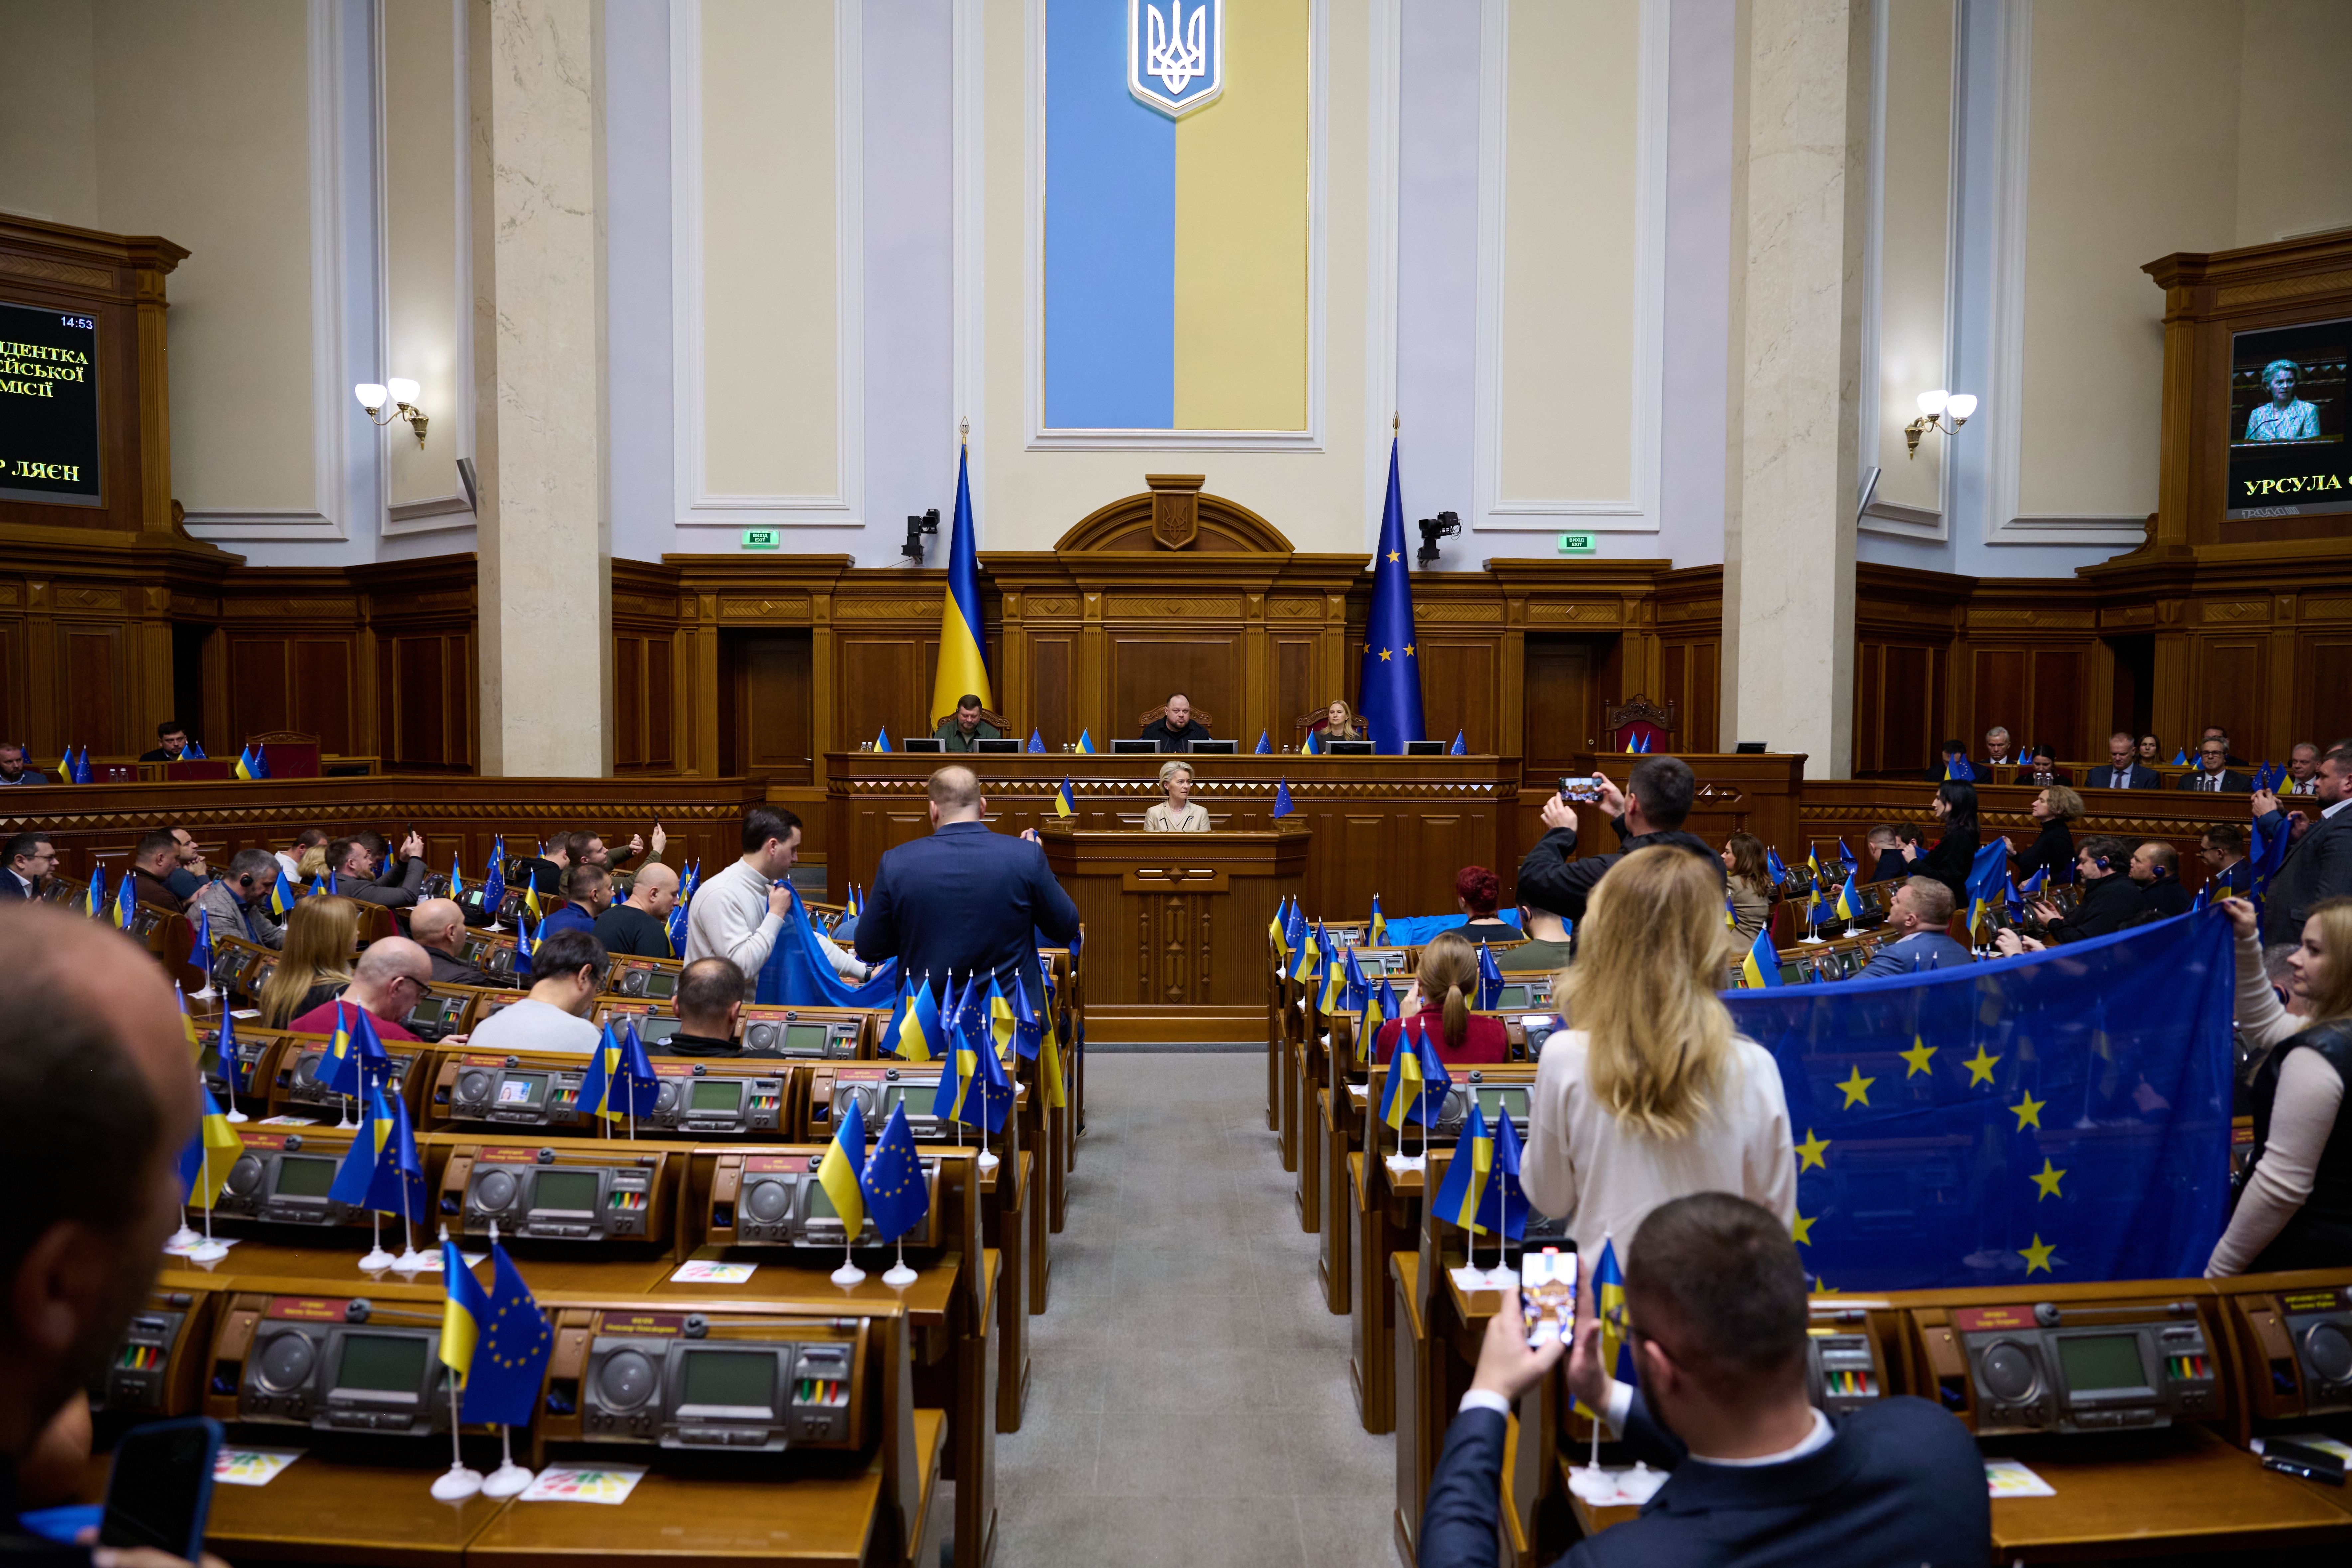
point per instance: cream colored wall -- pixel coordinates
(1566, 411)
(203, 116)
(48, 115)
(770, 418)
(1913, 243)
(1318, 498)
(424, 309)
(2294, 126)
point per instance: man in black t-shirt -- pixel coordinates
(641, 926)
(1178, 730)
(709, 1008)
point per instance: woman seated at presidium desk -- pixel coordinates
(1179, 812)
(1339, 724)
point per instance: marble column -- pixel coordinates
(545, 533)
(1789, 557)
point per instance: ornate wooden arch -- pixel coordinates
(1174, 515)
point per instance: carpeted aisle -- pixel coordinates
(1190, 1404)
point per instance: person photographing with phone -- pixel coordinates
(1649, 810)
(1715, 1324)
(100, 1098)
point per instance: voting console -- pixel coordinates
(282, 1174)
(158, 1369)
(771, 1198)
(755, 1383)
(333, 1363)
(2294, 1334)
(563, 1189)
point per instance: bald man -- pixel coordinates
(390, 978)
(100, 1100)
(438, 926)
(641, 926)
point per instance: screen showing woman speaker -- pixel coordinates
(48, 407)
(2288, 456)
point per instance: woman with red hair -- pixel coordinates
(1478, 891)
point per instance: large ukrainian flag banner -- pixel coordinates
(1176, 230)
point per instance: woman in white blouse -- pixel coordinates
(1179, 813)
(1648, 1095)
(2297, 1209)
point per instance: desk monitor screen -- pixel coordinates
(1424, 747)
(1749, 749)
(523, 1089)
(300, 1176)
(653, 1028)
(731, 1381)
(1496, 1103)
(1000, 744)
(2095, 1364)
(572, 1192)
(897, 1094)
(805, 1039)
(1515, 999)
(382, 1364)
(1126, 748)
(923, 743)
(1350, 748)
(1215, 748)
(714, 1094)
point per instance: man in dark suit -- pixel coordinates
(1714, 1302)
(2215, 732)
(2228, 873)
(2109, 896)
(2156, 868)
(1178, 730)
(356, 876)
(2124, 769)
(2319, 865)
(25, 867)
(965, 898)
(2214, 776)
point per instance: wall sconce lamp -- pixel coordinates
(1935, 408)
(402, 393)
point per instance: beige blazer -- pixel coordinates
(1194, 818)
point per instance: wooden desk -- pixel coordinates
(1386, 1210)
(1413, 1458)
(2182, 1489)
(1335, 1114)
(318, 1510)
(1008, 1201)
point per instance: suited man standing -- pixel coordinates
(2319, 865)
(1715, 1300)
(2214, 776)
(2124, 769)
(965, 898)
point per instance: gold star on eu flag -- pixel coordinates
(2039, 1255)
(1802, 1229)
(1857, 1088)
(1921, 1054)
(1394, 556)
(1811, 1152)
(1980, 1067)
(2047, 1179)
(1385, 656)
(2027, 1112)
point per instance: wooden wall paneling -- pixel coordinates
(1295, 688)
(1147, 668)
(884, 685)
(1561, 718)
(324, 693)
(94, 678)
(771, 706)
(259, 698)
(13, 706)
(628, 702)
(1053, 689)
(2323, 699)
(2229, 684)
(1461, 691)
(1998, 692)
(2057, 715)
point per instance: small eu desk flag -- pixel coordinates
(896, 1197)
(1265, 746)
(199, 951)
(1490, 978)
(1036, 741)
(1282, 806)
(511, 1350)
(1389, 685)
(1459, 748)
(1505, 1207)
(964, 657)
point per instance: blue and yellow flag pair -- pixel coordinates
(1467, 1175)
(382, 1171)
(1988, 880)
(1761, 964)
(497, 1345)
(1303, 964)
(914, 1034)
(1956, 770)
(494, 885)
(126, 901)
(974, 1090)
(620, 1082)
(251, 764)
(1417, 1079)
(93, 898)
(206, 1162)
(355, 1056)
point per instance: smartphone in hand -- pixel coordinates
(1547, 1294)
(160, 1489)
(1579, 788)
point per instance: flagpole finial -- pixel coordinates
(1396, 423)
(963, 430)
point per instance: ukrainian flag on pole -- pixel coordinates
(964, 646)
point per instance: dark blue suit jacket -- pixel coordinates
(2139, 775)
(1921, 950)
(9, 887)
(966, 898)
(1901, 1483)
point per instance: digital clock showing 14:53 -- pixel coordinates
(48, 407)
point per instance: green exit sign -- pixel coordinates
(1580, 543)
(764, 539)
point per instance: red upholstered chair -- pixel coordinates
(289, 753)
(1641, 723)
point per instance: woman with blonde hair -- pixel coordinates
(1648, 1095)
(1446, 983)
(1749, 881)
(317, 964)
(1340, 722)
(2296, 1209)
(1179, 812)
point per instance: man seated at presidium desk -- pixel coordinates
(1715, 1329)
(1178, 730)
(959, 728)
(965, 898)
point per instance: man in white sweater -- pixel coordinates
(737, 912)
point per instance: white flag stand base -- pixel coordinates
(506, 1480)
(377, 1259)
(987, 1162)
(207, 1252)
(182, 1238)
(207, 994)
(899, 1276)
(848, 1273)
(237, 1118)
(412, 1261)
(458, 1483)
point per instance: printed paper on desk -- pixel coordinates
(2007, 1478)
(251, 1466)
(288, 1121)
(701, 1271)
(245, 1013)
(558, 1484)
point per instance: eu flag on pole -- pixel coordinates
(1490, 979)
(1036, 742)
(1265, 746)
(510, 1351)
(199, 951)
(1389, 687)
(1505, 1206)
(963, 637)
(1282, 806)
(896, 1197)
(1458, 748)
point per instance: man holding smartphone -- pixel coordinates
(99, 1098)
(1649, 810)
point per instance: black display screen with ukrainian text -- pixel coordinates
(2288, 452)
(48, 407)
